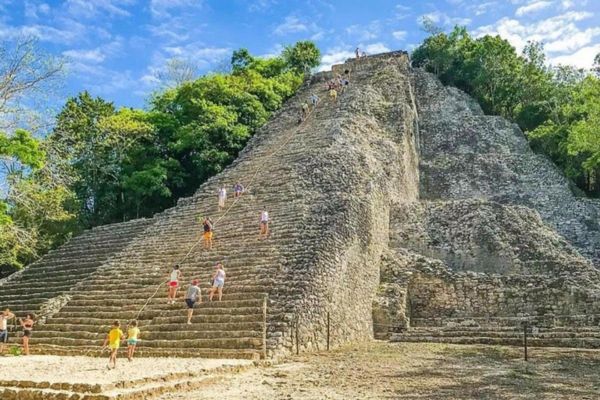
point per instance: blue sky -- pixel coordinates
(116, 47)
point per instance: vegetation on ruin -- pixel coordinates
(558, 107)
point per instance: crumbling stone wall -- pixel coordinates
(366, 156)
(496, 234)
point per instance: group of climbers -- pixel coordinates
(193, 294)
(337, 85)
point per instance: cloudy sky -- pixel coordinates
(116, 47)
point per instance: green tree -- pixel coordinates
(302, 56)
(34, 209)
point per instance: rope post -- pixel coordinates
(297, 340)
(328, 329)
(525, 340)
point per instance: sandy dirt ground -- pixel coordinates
(416, 371)
(90, 370)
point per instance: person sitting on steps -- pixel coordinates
(173, 284)
(192, 296)
(264, 224)
(218, 281)
(207, 225)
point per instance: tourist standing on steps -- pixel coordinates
(113, 340)
(314, 100)
(305, 110)
(357, 52)
(333, 95)
(222, 198)
(192, 296)
(174, 283)
(264, 224)
(207, 225)
(238, 189)
(4, 317)
(218, 281)
(27, 325)
(133, 334)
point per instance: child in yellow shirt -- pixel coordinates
(113, 339)
(133, 334)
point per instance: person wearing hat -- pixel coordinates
(191, 297)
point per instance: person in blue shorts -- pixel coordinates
(218, 281)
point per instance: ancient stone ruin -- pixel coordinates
(398, 212)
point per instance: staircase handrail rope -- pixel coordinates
(250, 182)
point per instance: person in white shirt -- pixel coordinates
(173, 283)
(4, 317)
(222, 198)
(264, 224)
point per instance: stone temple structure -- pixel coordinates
(399, 212)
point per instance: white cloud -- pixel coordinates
(365, 32)
(33, 10)
(197, 53)
(582, 58)
(444, 19)
(163, 8)
(261, 5)
(334, 56)
(533, 7)
(483, 8)
(399, 35)
(563, 39)
(291, 24)
(548, 30)
(93, 8)
(94, 56)
(573, 39)
(376, 48)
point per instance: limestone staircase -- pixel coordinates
(42, 287)
(131, 284)
(505, 334)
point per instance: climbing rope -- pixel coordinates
(235, 201)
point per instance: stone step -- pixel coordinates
(163, 306)
(155, 335)
(167, 351)
(171, 319)
(154, 327)
(592, 343)
(217, 343)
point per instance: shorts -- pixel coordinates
(173, 284)
(27, 332)
(3, 336)
(113, 346)
(207, 235)
(190, 303)
(218, 283)
(264, 222)
(132, 342)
